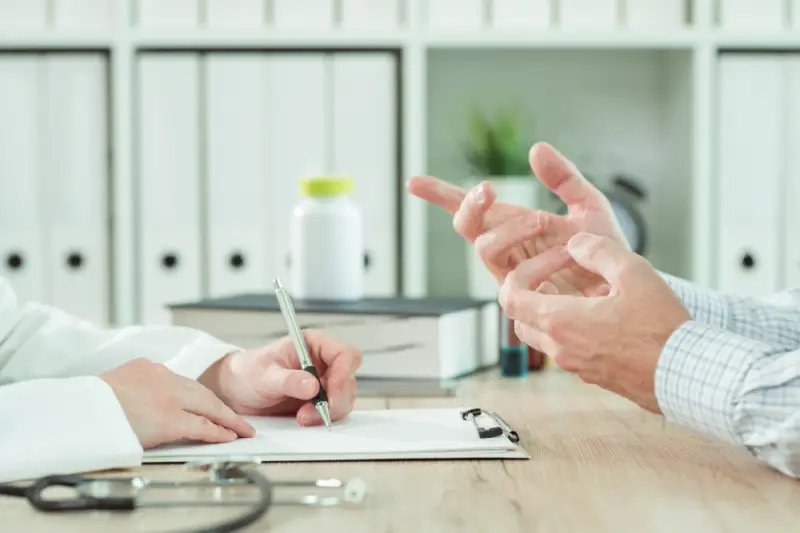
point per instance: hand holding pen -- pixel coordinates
(334, 376)
(270, 380)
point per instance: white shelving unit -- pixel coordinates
(635, 97)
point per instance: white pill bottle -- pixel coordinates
(327, 242)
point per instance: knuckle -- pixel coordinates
(483, 245)
(631, 269)
(507, 300)
(358, 358)
(553, 326)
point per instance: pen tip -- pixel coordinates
(277, 284)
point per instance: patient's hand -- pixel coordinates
(507, 235)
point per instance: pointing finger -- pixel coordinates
(445, 195)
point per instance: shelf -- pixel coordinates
(757, 41)
(310, 39)
(484, 39)
(54, 40)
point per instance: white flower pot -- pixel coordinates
(526, 191)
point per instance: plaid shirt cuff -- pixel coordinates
(699, 378)
(705, 305)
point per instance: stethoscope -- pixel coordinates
(122, 493)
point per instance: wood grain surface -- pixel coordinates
(599, 464)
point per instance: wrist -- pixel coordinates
(218, 377)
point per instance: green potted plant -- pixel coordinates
(494, 149)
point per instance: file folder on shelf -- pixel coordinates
(22, 259)
(299, 126)
(23, 14)
(76, 185)
(239, 235)
(751, 114)
(244, 14)
(169, 192)
(365, 148)
(792, 197)
(170, 14)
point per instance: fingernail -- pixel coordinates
(308, 419)
(479, 195)
(308, 383)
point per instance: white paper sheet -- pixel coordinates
(382, 434)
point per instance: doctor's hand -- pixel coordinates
(268, 380)
(163, 407)
(505, 235)
(612, 340)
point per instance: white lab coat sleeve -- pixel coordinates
(56, 416)
(63, 426)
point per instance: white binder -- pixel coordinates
(792, 183)
(522, 14)
(75, 183)
(23, 14)
(794, 14)
(173, 14)
(299, 129)
(752, 15)
(365, 148)
(247, 14)
(588, 14)
(370, 14)
(455, 14)
(750, 162)
(303, 14)
(655, 14)
(169, 185)
(21, 228)
(83, 14)
(238, 147)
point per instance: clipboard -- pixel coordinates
(367, 435)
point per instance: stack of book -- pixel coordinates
(425, 338)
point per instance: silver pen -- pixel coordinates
(321, 399)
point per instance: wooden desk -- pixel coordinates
(599, 464)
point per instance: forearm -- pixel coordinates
(738, 389)
(38, 341)
(774, 320)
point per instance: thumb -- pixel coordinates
(600, 255)
(280, 381)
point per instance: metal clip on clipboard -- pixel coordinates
(501, 427)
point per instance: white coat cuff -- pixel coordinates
(63, 426)
(196, 357)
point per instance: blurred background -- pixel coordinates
(151, 150)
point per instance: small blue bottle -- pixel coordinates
(513, 353)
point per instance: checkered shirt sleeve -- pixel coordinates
(733, 372)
